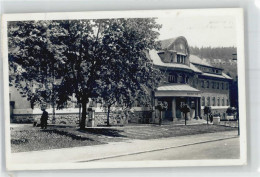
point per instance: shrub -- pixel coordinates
(162, 105)
(207, 110)
(185, 108)
(230, 111)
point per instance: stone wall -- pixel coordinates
(115, 118)
(121, 119)
(221, 111)
(59, 118)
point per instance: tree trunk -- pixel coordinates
(53, 113)
(84, 114)
(79, 112)
(108, 112)
(160, 119)
(185, 118)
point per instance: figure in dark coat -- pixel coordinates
(44, 119)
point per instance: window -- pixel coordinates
(223, 102)
(187, 80)
(183, 78)
(208, 101)
(218, 101)
(203, 101)
(202, 83)
(213, 101)
(193, 83)
(227, 86)
(222, 86)
(213, 85)
(217, 85)
(172, 78)
(227, 102)
(178, 59)
(181, 58)
(207, 84)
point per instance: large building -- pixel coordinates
(188, 80)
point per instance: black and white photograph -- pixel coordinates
(154, 88)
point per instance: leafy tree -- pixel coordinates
(185, 109)
(82, 61)
(49, 50)
(127, 72)
(33, 61)
(92, 58)
(161, 106)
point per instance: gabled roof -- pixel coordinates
(195, 59)
(195, 69)
(177, 87)
(153, 54)
(226, 76)
(167, 42)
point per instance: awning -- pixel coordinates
(177, 90)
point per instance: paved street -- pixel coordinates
(220, 149)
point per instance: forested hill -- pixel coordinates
(221, 57)
(213, 53)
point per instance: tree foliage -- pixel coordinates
(32, 59)
(103, 58)
(214, 52)
(185, 109)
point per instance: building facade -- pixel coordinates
(187, 80)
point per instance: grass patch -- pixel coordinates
(37, 139)
(28, 138)
(174, 131)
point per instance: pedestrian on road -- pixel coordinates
(44, 119)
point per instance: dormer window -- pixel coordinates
(178, 59)
(181, 58)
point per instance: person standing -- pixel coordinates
(44, 119)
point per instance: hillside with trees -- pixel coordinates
(221, 57)
(224, 53)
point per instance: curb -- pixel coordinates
(159, 149)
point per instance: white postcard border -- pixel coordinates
(236, 12)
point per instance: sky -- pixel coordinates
(200, 30)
